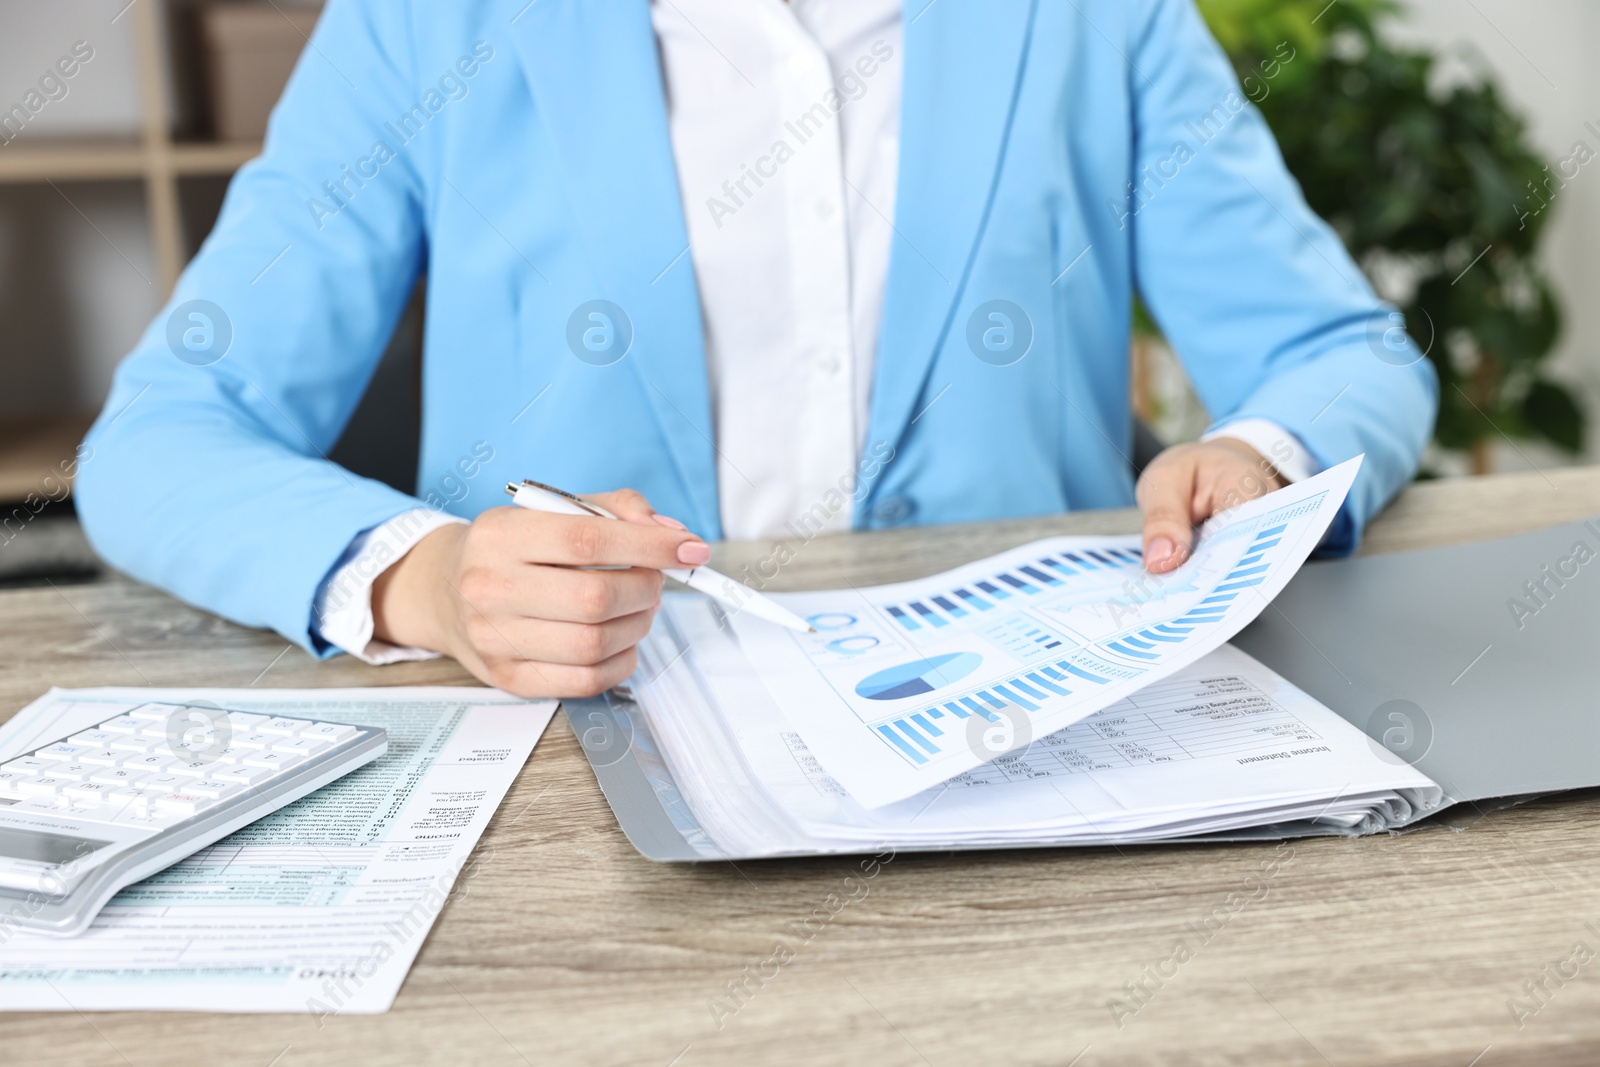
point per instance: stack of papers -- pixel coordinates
(1052, 694)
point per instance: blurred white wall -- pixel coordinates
(103, 96)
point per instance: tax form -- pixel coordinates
(317, 908)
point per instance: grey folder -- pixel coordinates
(1478, 663)
(1491, 650)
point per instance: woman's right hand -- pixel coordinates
(506, 595)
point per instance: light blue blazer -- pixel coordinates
(1058, 155)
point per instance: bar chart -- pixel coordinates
(1146, 644)
(1010, 587)
(917, 735)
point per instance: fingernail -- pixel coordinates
(668, 520)
(694, 553)
(1160, 550)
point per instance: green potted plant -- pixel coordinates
(1434, 190)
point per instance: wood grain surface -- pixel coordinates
(563, 946)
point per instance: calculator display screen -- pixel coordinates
(42, 847)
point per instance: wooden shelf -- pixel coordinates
(113, 159)
(151, 157)
(212, 157)
(71, 161)
(33, 449)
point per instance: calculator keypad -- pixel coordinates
(128, 770)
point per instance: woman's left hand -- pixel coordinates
(1187, 484)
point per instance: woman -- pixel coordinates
(783, 268)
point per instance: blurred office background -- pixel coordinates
(116, 175)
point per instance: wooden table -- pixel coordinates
(565, 946)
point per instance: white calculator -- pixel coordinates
(105, 807)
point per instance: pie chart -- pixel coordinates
(919, 676)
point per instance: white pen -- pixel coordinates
(536, 496)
